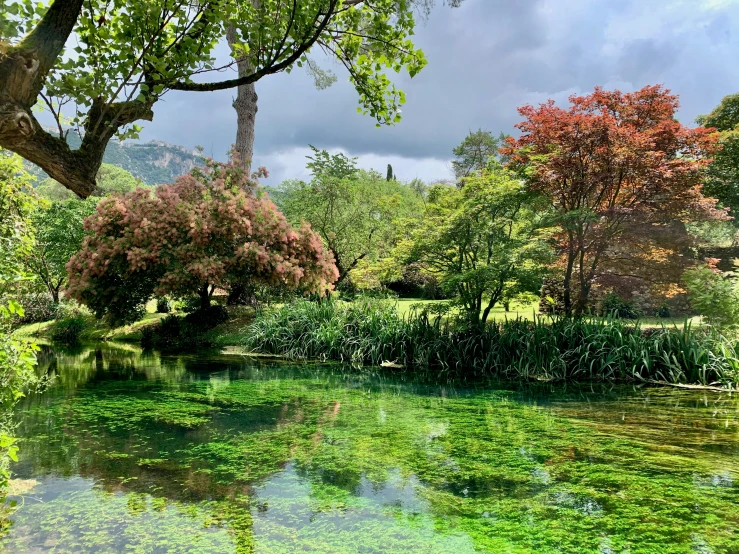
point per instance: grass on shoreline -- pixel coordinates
(372, 332)
(234, 332)
(94, 331)
(516, 344)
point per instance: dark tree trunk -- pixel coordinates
(204, 294)
(567, 284)
(581, 306)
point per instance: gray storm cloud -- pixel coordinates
(485, 59)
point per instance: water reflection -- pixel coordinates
(153, 453)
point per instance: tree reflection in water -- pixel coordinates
(223, 454)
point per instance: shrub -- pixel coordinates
(37, 307)
(207, 318)
(204, 232)
(370, 331)
(415, 283)
(69, 329)
(148, 335)
(714, 295)
(184, 332)
(615, 306)
(163, 306)
(190, 304)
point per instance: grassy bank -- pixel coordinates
(372, 332)
(511, 346)
(93, 330)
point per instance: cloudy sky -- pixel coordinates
(486, 58)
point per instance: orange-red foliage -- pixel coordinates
(609, 160)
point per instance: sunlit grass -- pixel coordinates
(529, 312)
(95, 330)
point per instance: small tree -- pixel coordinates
(714, 294)
(485, 241)
(211, 229)
(354, 211)
(475, 152)
(608, 161)
(59, 234)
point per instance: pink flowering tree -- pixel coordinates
(212, 228)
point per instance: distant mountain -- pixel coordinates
(153, 162)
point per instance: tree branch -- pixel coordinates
(304, 46)
(45, 43)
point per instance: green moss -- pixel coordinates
(190, 454)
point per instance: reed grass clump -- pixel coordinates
(369, 331)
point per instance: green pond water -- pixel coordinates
(147, 453)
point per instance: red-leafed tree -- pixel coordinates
(211, 229)
(610, 160)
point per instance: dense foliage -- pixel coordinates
(610, 161)
(211, 229)
(354, 211)
(723, 174)
(127, 54)
(17, 357)
(484, 242)
(16, 231)
(562, 348)
(59, 234)
(714, 294)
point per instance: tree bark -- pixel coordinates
(204, 294)
(567, 283)
(246, 108)
(23, 71)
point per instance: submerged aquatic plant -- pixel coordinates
(370, 332)
(230, 455)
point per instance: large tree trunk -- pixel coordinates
(23, 72)
(245, 105)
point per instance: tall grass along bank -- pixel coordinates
(371, 332)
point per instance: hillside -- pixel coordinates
(153, 162)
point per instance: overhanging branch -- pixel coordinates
(304, 46)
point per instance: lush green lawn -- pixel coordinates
(97, 330)
(528, 311)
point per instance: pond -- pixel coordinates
(148, 453)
